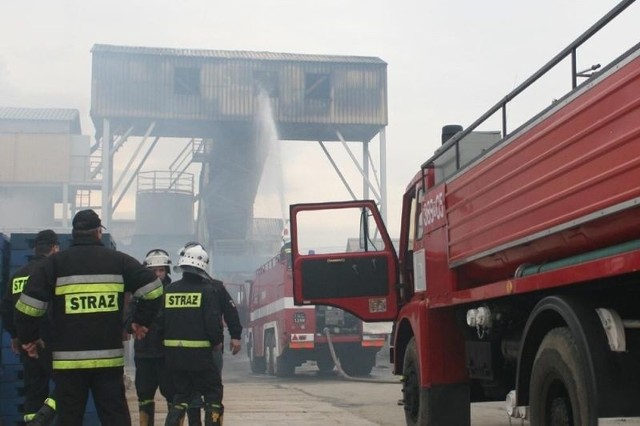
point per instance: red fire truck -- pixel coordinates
(518, 269)
(282, 336)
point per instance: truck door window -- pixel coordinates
(337, 231)
(417, 222)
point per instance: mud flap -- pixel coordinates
(446, 404)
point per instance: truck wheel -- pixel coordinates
(325, 364)
(284, 366)
(269, 355)
(414, 413)
(358, 364)
(559, 378)
(257, 363)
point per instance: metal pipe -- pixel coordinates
(580, 258)
(335, 167)
(336, 361)
(355, 161)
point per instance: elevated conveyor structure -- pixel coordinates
(212, 96)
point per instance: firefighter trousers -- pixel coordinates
(150, 376)
(37, 375)
(107, 387)
(189, 385)
(194, 412)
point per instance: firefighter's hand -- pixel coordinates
(15, 345)
(32, 348)
(235, 346)
(140, 331)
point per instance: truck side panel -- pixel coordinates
(535, 197)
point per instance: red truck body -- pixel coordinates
(517, 270)
(282, 336)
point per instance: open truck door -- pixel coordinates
(343, 257)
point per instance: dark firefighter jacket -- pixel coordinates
(191, 324)
(151, 346)
(13, 292)
(229, 310)
(85, 286)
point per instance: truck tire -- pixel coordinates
(414, 412)
(257, 363)
(325, 364)
(359, 363)
(559, 383)
(284, 366)
(269, 351)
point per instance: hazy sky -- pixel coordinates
(448, 61)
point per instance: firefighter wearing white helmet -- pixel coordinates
(149, 352)
(192, 328)
(195, 260)
(157, 258)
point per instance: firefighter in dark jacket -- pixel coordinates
(192, 329)
(149, 352)
(85, 286)
(39, 404)
(231, 318)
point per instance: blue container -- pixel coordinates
(11, 420)
(65, 241)
(7, 357)
(23, 241)
(20, 258)
(11, 373)
(11, 406)
(11, 390)
(4, 261)
(6, 339)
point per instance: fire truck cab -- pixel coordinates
(282, 336)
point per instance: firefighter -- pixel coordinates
(39, 404)
(149, 354)
(231, 318)
(192, 328)
(85, 286)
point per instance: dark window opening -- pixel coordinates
(186, 81)
(317, 86)
(267, 81)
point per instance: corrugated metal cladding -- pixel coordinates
(140, 82)
(39, 120)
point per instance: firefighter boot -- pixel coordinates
(213, 414)
(147, 412)
(44, 416)
(175, 416)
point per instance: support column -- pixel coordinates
(107, 174)
(65, 205)
(383, 173)
(365, 170)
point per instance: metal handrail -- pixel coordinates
(502, 104)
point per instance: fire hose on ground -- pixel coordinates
(341, 371)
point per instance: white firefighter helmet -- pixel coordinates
(193, 254)
(157, 257)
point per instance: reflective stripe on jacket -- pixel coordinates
(85, 286)
(191, 323)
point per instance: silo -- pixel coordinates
(164, 203)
